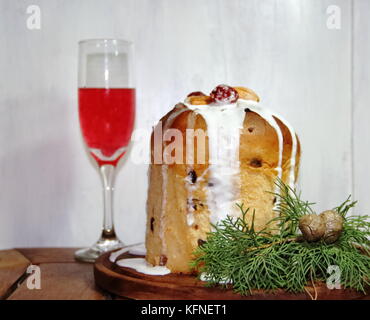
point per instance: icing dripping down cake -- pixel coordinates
(208, 154)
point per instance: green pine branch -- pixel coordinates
(236, 255)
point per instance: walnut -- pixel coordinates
(312, 227)
(333, 225)
(327, 226)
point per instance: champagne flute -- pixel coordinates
(106, 99)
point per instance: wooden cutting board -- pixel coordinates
(127, 282)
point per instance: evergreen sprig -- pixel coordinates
(238, 256)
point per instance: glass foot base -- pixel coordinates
(94, 252)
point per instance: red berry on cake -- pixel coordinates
(224, 94)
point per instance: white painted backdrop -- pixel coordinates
(318, 78)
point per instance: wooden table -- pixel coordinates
(62, 278)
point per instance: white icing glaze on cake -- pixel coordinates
(142, 266)
(223, 129)
(224, 123)
(139, 264)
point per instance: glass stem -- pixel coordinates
(107, 172)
